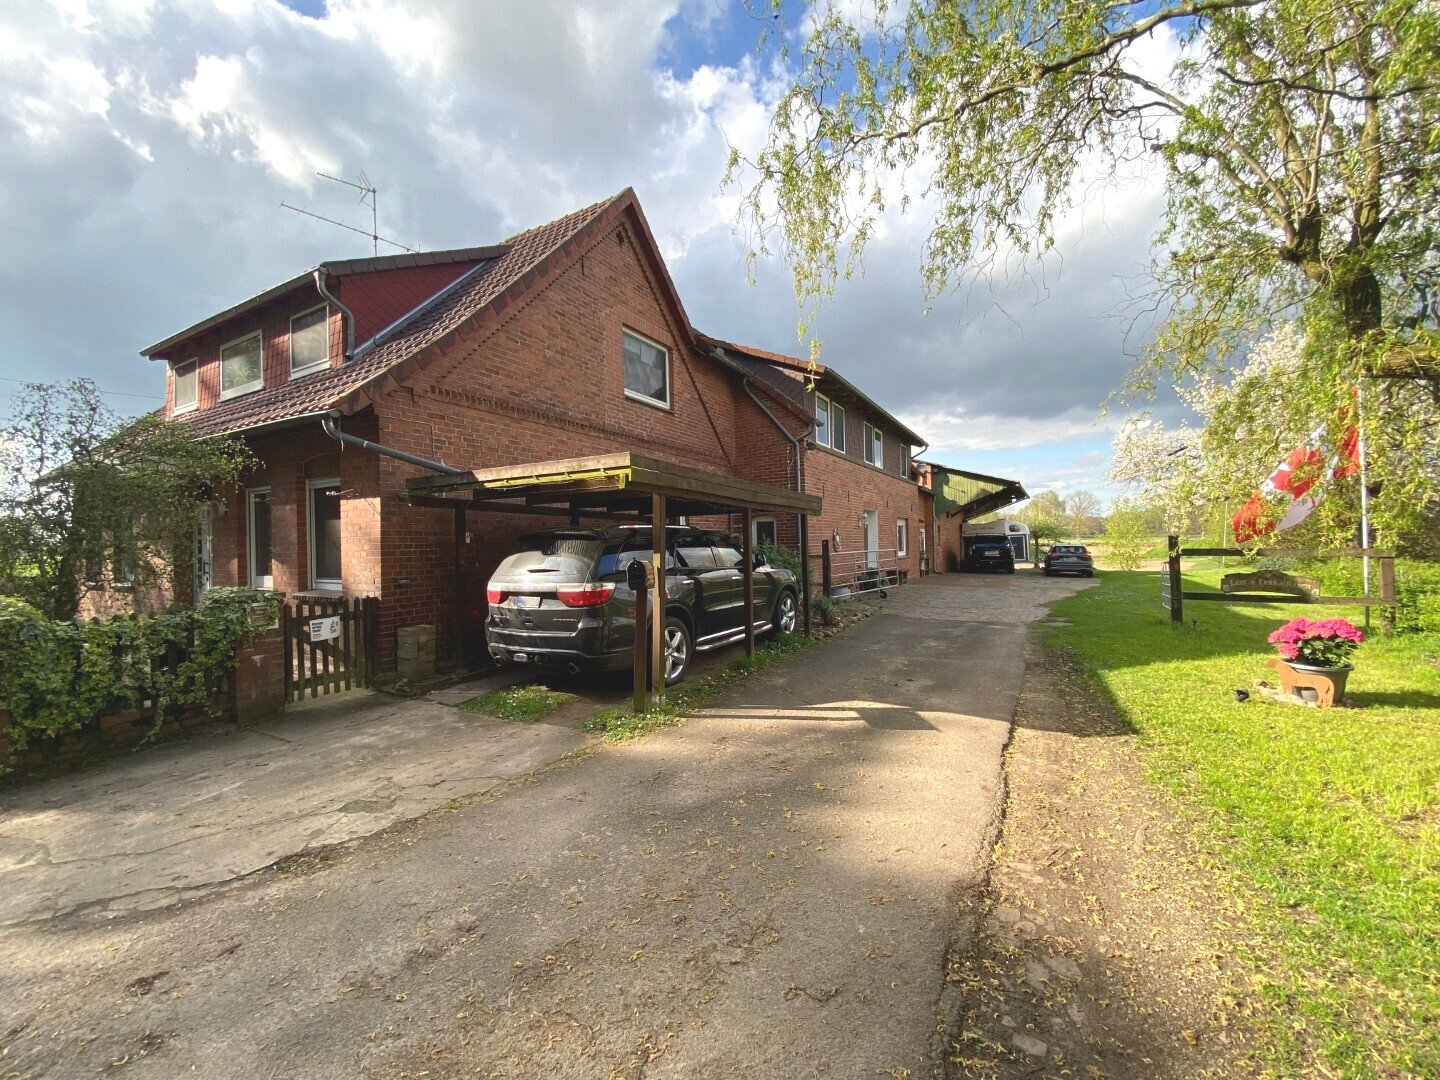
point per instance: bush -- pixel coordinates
(1417, 586)
(61, 676)
(778, 555)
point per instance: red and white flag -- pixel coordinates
(1288, 488)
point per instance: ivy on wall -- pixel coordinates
(57, 677)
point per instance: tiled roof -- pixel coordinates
(745, 354)
(492, 283)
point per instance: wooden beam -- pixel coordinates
(657, 606)
(462, 602)
(747, 551)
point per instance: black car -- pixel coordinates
(987, 551)
(561, 601)
(1069, 559)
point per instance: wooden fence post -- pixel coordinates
(825, 578)
(1177, 613)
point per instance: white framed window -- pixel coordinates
(323, 497)
(310, 342)
(647, 370)
(829, 424)
(874, 446)
(240, 367)
(764, 532)
(186, 387)
(902, 537)
(258, 538)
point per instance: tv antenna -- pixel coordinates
(369, 196)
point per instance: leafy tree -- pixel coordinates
(1127, 537)
(84, 492)
(1082, 513)
(1298, 140)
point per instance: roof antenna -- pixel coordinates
(369, 196)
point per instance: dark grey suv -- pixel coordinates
(561, 601)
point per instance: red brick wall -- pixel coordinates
(847, 486)
(289, 459)
(545, 381)
(380, 297)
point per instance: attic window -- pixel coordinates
(874, 446)
(309, 342)
(185, 380)
(240, 367)
(647, 370)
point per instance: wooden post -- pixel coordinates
(1387, 593)
(657, 603)
(462, 602)
(641, 653)
(1177, 613)
(747, 558)
(802, 532)
(825, 568)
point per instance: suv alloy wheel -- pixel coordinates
(676, 650)
(786, 613)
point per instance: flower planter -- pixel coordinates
(1322, 686)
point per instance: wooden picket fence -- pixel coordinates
(330, 645)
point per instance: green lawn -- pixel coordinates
(1332, 815)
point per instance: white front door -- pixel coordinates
(204, 552)
(870, 530)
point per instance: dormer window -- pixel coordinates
(240, 370)
(310, 342)
(185, 387)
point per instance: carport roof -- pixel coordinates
(615, 482)
(958, 491)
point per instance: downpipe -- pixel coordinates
(329, 423)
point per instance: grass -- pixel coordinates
(1332, 816)
(621, 724)
(522, 704)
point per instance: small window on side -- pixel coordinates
(647, 370)
(309, 342)
(822, 420)
(837, 434)
(186, 381)
(261, 573)
(874, 446)
(902, 537)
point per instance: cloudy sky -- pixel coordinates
(146, 147)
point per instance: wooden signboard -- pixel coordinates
(1272, 581)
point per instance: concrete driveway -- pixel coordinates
(766, 890)
(168, 823)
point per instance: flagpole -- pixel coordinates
(1364, 491)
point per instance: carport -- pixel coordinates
(624, 487)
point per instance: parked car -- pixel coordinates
(561, 601)
(1069, 559)
(987, 551)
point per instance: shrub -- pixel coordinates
(61, 676)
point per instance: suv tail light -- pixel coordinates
(495, 596)
(586, 595)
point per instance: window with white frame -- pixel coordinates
(240, 370)
(874, 446)
(765, 532)
(309, 342)
(324, 534)
(258, 537)
(186, 383)
(902, 536)
(829, 424)
(647, 370)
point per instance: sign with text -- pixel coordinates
(326, 629)
(1271, 581)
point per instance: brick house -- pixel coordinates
(853, 454)
(562, 341)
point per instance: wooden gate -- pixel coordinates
(330, 645)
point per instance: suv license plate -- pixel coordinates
(520, 657)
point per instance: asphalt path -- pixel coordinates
(766, 890)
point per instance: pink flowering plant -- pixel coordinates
(1319, 642)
